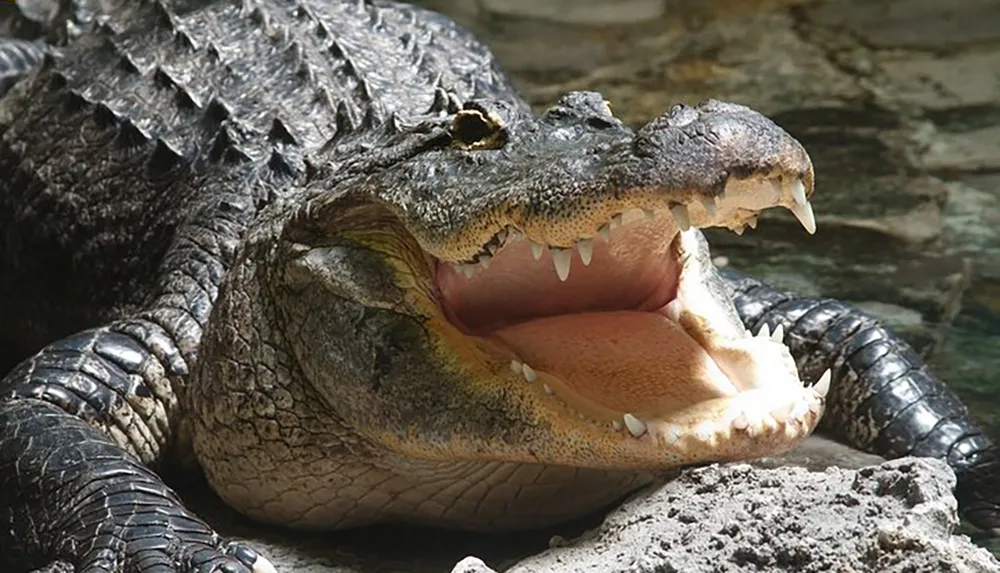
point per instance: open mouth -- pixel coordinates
(633, 329)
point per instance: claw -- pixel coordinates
(262, 565)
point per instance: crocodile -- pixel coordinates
(324, 253)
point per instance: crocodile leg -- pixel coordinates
(83, 420)
(883, 398)
(17, 59)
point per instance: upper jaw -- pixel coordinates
(711, 165)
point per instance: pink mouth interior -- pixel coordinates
(602, 332)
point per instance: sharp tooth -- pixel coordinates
(709, 204)
(468, 270)
(485, 260)
(822, 385)
(515, 366)
(752, 222)
(673, 310)
(529, 373)
(604, 232)
(779, 334)
(548, 389)
(740, 422)
(804, 213)
(501, 236)
(704, 432)
(492, 248)
(537, 250)
(672, 434)
(636, 427)
(801, 208)
(800, 409)
(799, 193)
(616, 221)
(781, 413)
(650, 214)
(561, 258)
(618, 425)
(586, 248)
(680, 213)
(764, 332)
(739, 230)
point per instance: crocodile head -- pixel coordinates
(535, 289)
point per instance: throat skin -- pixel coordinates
(280, 451)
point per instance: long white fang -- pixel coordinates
(537, 250)
(636, 427)
(561, 259)
(485, 260)
(801, 208)
(501, 236)
(586, 248)
(468, 270)
(764, 332)
(799, 192)
(604, 232)
(822, 385)
(709, 204)
(779, 334)
(529, 373)
(680, 213)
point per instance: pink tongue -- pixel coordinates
(625, 360)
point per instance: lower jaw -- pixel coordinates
(735, 426)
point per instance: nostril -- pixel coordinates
(600, 122)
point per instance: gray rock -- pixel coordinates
(897, 516)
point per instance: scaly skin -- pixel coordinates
(245, 228)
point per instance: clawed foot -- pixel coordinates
(163, 555)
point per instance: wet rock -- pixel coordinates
(578, 11)
(928, 24)
(899, 516)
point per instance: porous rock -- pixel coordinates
(899, 516)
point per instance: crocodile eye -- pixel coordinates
(472, 129)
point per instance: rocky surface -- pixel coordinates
(896, 517)
(898, 103)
